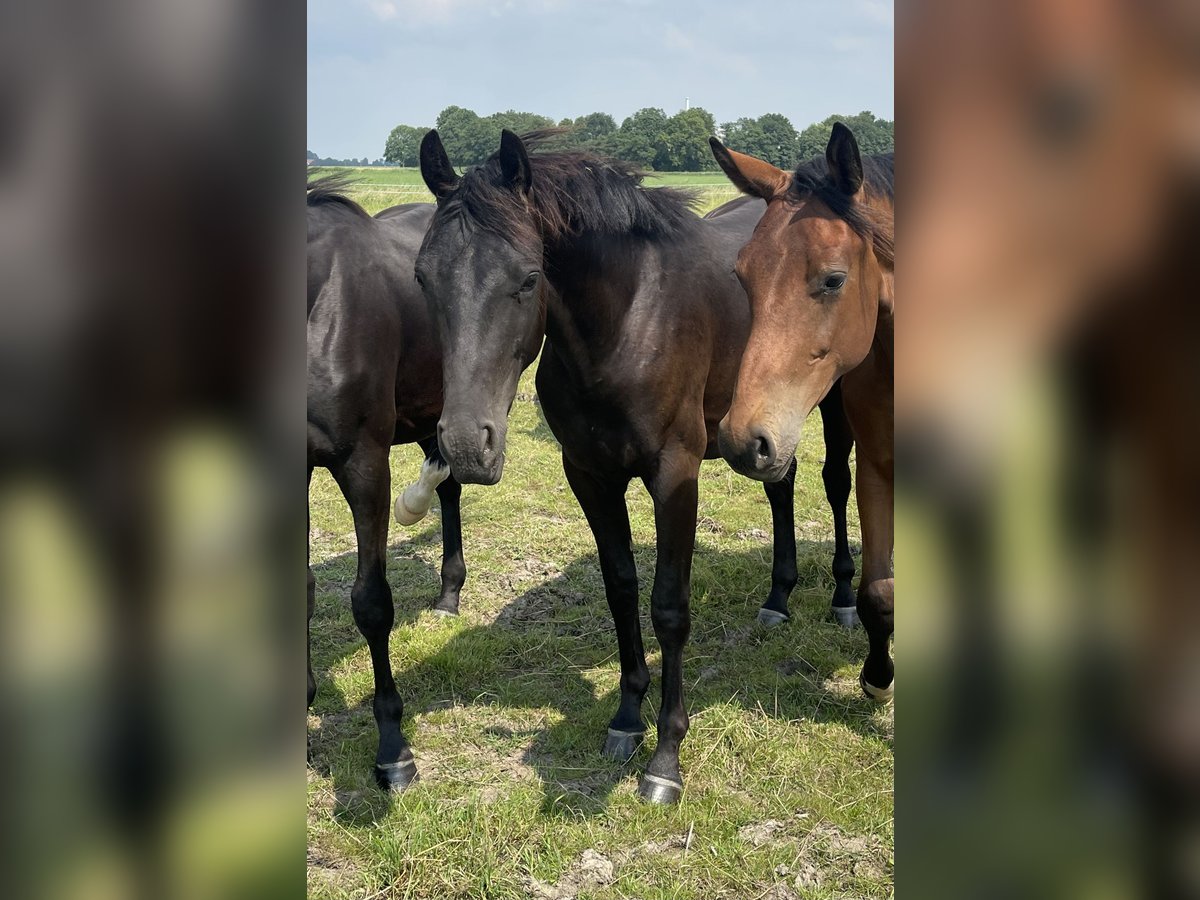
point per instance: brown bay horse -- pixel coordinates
(819, 271)
(374, 380)
(644, 325)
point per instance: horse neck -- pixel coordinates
(595, 279)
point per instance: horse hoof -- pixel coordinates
(398, 775)
(879, 695)
(846, 616)
(445, 613)
(770, 617)
(655, 789)
(621, 745)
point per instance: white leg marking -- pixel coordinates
(412, 505)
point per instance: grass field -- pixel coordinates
(377, 188)
(788, 768)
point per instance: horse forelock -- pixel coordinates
(572, 192)
(873, 220)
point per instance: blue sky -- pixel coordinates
(373, 64)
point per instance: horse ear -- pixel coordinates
(439, 175)
(845, 163)
(751, 175)
(514, 162)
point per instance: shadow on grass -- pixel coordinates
(541, 429)
(536, 651)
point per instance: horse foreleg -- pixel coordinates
(674, 490)
(365, 481)
(603, 504)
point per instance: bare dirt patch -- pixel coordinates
(592, 870)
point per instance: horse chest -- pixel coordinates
(596, 434)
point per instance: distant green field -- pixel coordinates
(379, 188)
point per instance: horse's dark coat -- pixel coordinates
(374, 380)
(644, 323)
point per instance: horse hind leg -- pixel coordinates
(365, 481)
(454, 566)
(780, 494)
(877, 588)
(835, 473)
(414, 501)
(312, 607)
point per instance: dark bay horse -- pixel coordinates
(820, 275)
(374, 380)
(644, 325)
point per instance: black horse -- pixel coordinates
(645, 323)
(374, 380)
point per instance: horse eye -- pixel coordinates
(835, 282)
(420, 279)
(529, 283)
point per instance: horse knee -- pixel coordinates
(876, 602)
(672, 624)
(836, 478)
(624, 583)
(371, 603)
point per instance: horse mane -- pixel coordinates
(573, 191)
(811, 179)
(327, 191)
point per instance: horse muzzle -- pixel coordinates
(754, 450)
(474, 449)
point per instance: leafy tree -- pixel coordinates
(516, 122)
(470, 139)
(595, 131)
(312, 155)
(642, 139)
(873, 135)
(779, 140)
(648, 138)
(463, 135)
(745, 136)
(403, 145)
(687, 133)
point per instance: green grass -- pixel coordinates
(788, 768)
(378, 188)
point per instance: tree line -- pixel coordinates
(650, 138)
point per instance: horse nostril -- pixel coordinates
(488, 438)
(764, 448)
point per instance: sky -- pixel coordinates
(374, 64)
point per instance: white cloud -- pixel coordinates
(877, 12)
(384, 10)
